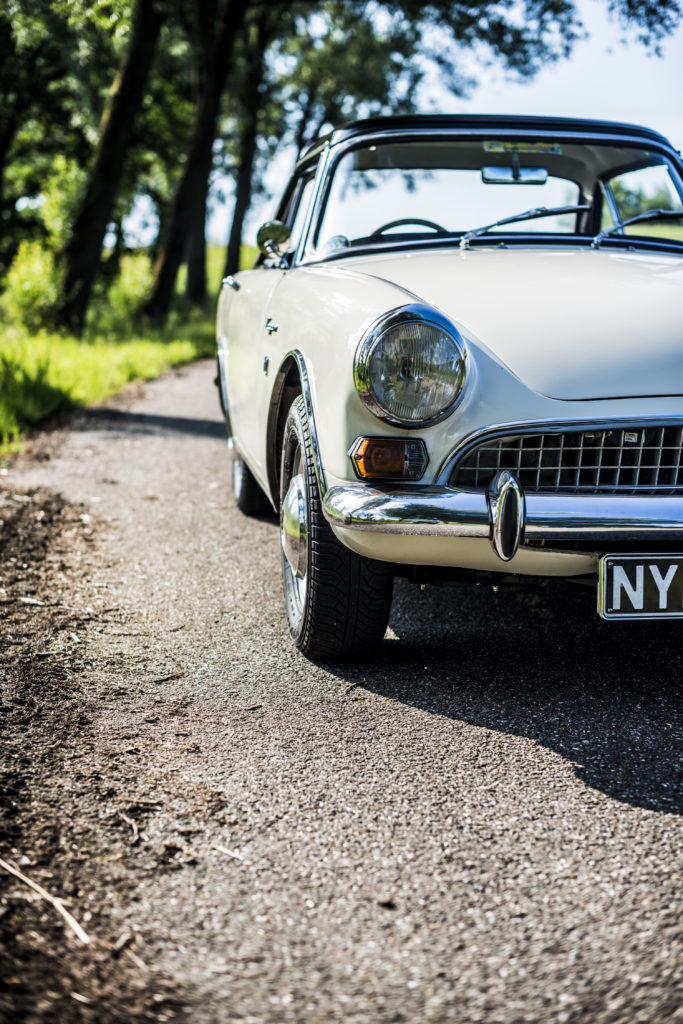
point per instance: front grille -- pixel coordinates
(632, 460)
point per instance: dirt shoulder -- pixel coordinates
(46, 972)
(482, 825)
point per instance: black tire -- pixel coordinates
(337, 602)
(247, 493)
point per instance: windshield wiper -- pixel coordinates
(537, 211)
(645, 215)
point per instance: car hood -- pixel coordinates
(572, 325)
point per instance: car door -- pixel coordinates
(242, 319)
(250, 344)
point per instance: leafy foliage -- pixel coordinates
(54, 68)
(31, 290)
(46, 373)
(632, 201)
(295, 68)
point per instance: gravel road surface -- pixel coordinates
(482, 824)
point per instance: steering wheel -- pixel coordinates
(407, 220)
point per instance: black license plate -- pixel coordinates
(640, 587)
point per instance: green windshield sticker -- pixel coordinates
(522, 147)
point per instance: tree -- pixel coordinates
(251, 100)
(377, 66)
(288, 68)
(49, 95)
(259, 28)
(216, 25)
(374, 70)
(83, 251)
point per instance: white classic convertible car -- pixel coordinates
(460, 354)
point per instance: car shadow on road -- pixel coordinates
(150, 423)
(541, 664)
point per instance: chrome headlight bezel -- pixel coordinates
(413, 313)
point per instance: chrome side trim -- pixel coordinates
(313, 433)
(274, 411)
(221, 354)
(558, 426)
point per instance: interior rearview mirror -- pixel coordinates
(514, 175)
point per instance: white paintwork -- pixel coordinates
(550, 334)
(572, 324)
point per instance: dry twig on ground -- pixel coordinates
(53, 900)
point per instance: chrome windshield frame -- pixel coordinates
(332, 152)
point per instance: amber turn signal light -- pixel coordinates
(389, 458)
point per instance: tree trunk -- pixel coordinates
(251, 107)
(6, 138)
(190, 198)
(200, 29)
(242, 196)
(195, 291)
(84, 249)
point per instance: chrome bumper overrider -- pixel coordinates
(505, 515)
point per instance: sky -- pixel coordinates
(608, 76)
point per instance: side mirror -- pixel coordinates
(274, 239)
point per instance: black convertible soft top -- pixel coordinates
(487, 122)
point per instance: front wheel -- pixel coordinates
(337, 602)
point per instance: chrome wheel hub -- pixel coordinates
(294, 529)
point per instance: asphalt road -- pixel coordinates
(480, 825)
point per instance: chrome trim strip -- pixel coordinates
(449, 512)
(313, 433)
(558, 426)
(609, 198)
(319, 179)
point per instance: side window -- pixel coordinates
(634, 192)
(296, 215)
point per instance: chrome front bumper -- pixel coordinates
(505, 515)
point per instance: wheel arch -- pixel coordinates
(292, 379)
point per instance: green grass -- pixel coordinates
(46, 373)
(663, 229)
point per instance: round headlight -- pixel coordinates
(410, 366)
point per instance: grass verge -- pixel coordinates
(46, 373)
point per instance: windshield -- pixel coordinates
(409, 191)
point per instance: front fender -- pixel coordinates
(291, 379)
